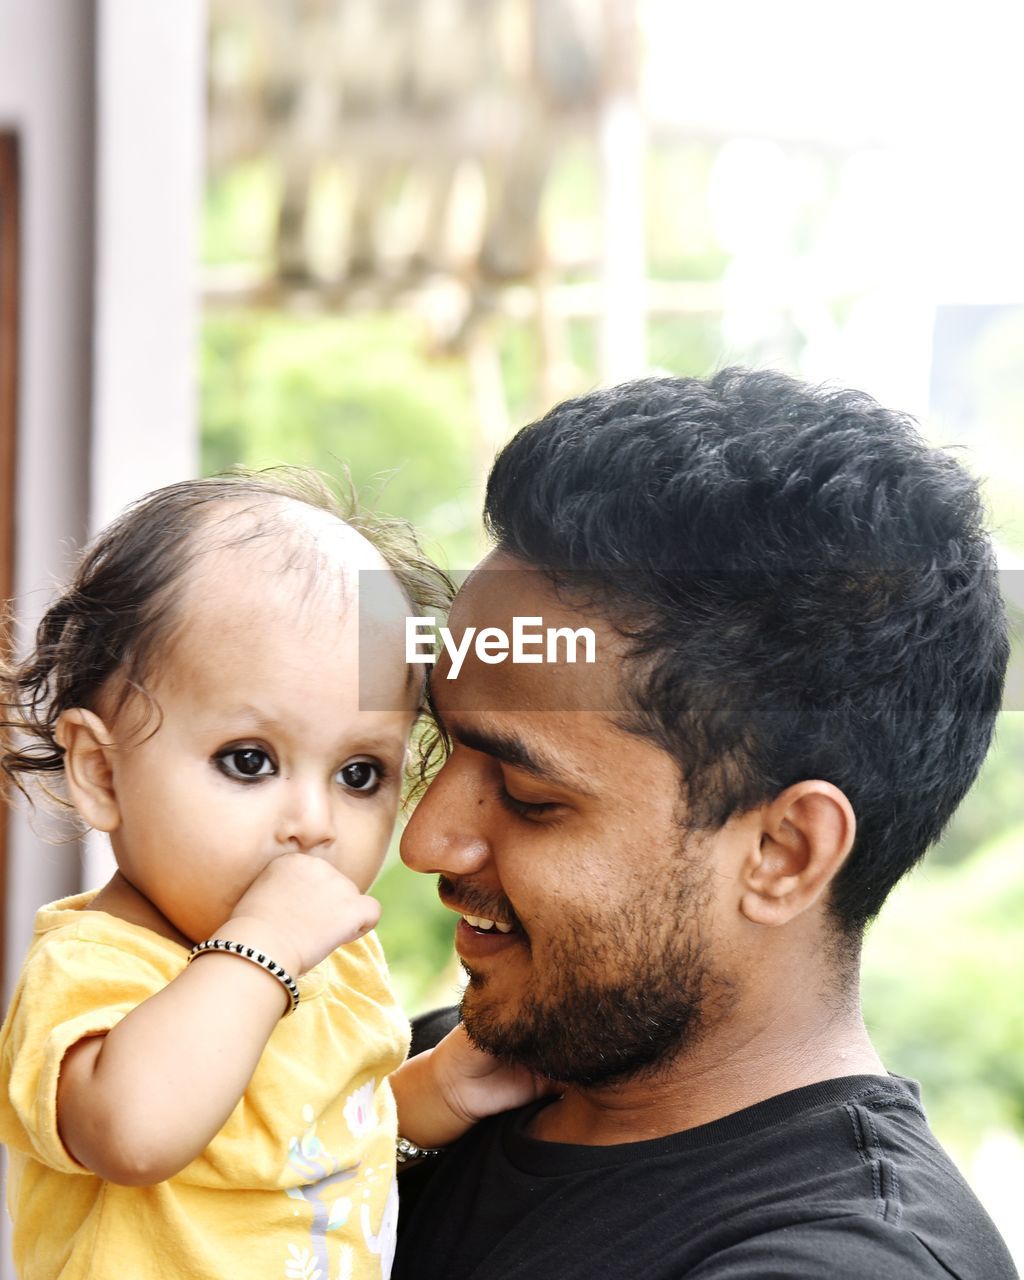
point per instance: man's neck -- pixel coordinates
(715, 1077)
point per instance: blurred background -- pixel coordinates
(379, 235)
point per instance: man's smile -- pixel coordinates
(485, 926)
(483, 911)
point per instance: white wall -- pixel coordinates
(46, 93)
(150, 123)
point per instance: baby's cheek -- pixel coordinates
(369, 848)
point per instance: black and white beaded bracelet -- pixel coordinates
(257, 957)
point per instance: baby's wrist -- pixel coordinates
(425, 1112)
(271, 940)
(224, 947)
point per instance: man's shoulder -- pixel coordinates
(847, 1180)
(850, 1247)
(840, 1180)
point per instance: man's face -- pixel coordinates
(588, 916)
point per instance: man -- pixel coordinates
(664, 860)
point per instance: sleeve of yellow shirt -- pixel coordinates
(69, 988)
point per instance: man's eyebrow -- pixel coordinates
(510, 749)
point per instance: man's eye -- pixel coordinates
(246, 762)
(361, 775)
(525, 808)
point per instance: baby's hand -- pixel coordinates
(299, 909)
(475, 1084)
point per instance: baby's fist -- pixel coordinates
(308, 906)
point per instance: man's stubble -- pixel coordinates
(616, 997)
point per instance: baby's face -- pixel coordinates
(262, 746)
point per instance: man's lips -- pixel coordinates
(483, 925)
(479, 914)
(473, 945)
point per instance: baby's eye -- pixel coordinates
(245, 762)
(361, 775)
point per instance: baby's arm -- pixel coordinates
(139, 1103)
(442, 1092)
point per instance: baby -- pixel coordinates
(194, 1071)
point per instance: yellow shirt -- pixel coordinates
(300, 1182)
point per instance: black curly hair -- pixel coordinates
(806, 584)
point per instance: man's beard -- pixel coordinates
(616, 999)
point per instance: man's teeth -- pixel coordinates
(478, 922)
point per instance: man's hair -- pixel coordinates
(121, 607)
(806, 586)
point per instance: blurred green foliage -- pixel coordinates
(346, 394)
(687, 346)
(417, 934)
(980, 404)
(681, 241)
(996, 801)
(943, 992)
(239, 216)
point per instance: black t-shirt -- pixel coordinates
(841, 1180)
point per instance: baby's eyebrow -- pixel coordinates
(247, 711)
(365, 740)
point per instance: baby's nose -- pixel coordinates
(307, 821)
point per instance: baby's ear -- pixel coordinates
(87, 766)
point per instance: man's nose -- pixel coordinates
(446, 832)
(307, 818)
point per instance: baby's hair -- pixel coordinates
(119, 607)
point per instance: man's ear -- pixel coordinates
(88, 749)
(806, 834)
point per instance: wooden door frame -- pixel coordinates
(9, 313)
